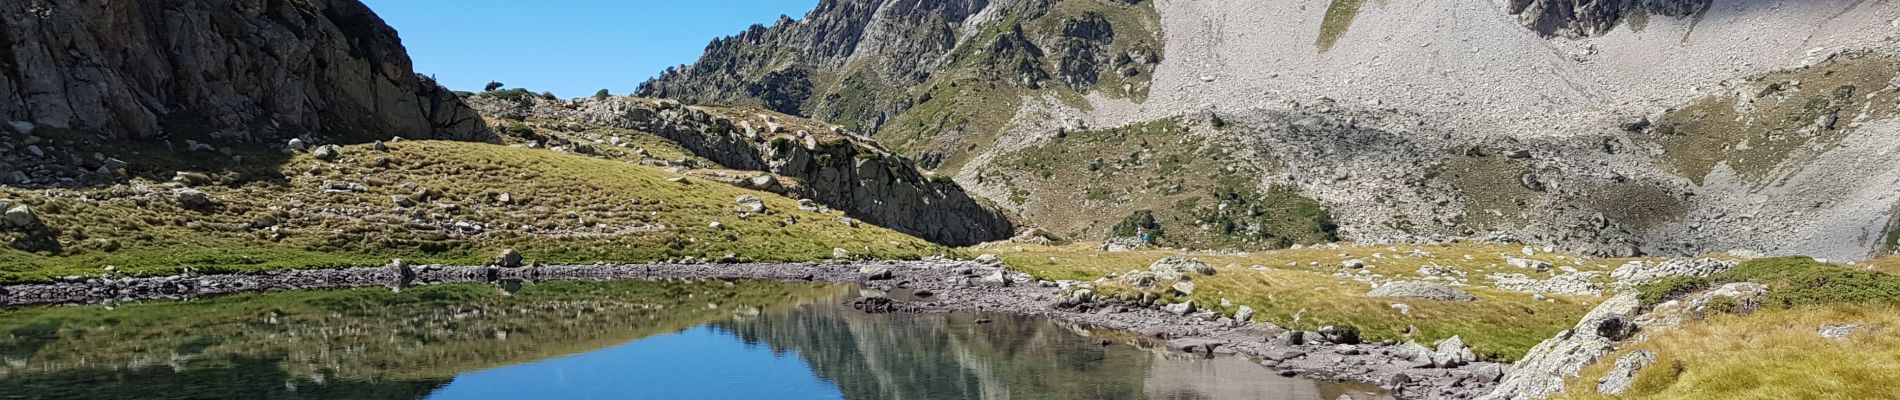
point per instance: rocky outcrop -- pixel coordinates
(844, 171)
(1420, 290)
(234, 69)
(1572, 18)
(1542, 371)
(747, 69)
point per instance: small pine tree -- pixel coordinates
(492, 86)
(603, 94)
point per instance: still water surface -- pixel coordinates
(611, 340)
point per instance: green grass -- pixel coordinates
(1792, 282)
(1339, 17)
(1503, 325)
(565, 209)
(1773, 354)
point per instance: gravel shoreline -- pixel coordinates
(952, 286)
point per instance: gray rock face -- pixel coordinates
(1420, 290)
(250, 70)
(1541, 372)
(1620, 377)
(1573, 18)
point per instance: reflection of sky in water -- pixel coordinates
(698, 363)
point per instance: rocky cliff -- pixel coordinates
(826, 163)
(232, 69)
(1607, 127)
(1573, 18)
(926, 73)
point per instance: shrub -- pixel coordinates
(1668, 288)
(1792, 282)
(1799, 281)
(603, 94)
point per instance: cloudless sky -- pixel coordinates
(569, 47)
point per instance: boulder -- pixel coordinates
(988, 259)
(1140, 280)
(1621, 376)
(807, 205)
(997, 278)
(1418, 355)
(1420, 290)
(1182, 308)
(1340, 334)
(1184, 288)
(1526, 263)
(192, 198)
(297, 145)
(1244, 314)
(1839, 331)
(21, 216)
(1178, 268)
(751, 204)
(509, 258)
(839, 253)
(1453, 353)
(876, 272)
(23, 127)
(1290, 339)
(327, 152)
(191, 178)
(404, 274)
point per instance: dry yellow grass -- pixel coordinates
(1298, 288)
(1775, 354)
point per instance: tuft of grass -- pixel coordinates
(427, 202)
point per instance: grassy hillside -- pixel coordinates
(1186, 191)
(427, 202)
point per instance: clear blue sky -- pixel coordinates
(569, 47)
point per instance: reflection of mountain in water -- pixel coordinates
(910, 357)
(347, 344)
